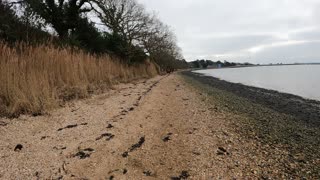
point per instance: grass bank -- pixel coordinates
(35, 79)
(283, 123)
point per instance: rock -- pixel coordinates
(18, 147)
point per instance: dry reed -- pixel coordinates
(35, 79)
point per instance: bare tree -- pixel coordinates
(126, 18)
(160, 38)
(161, 44)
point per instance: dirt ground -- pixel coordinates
(155, 129)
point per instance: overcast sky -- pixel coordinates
(258, 31)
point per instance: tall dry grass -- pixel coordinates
(35, 79)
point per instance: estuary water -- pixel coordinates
(301, 80)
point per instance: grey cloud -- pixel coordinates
(308, 51)
(310, 35)
(206, 28)
(222, 45)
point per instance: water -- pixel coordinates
(301, 80)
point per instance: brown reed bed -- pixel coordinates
(34, 79)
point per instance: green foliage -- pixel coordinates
(12, 29)
(86, 36)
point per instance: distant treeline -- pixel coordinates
(121, 28)
(214, 64)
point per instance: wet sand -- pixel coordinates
(168, 127)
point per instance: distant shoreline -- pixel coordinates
(262, 65)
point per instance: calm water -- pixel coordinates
(301, 80)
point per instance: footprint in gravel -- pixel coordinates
(108, 136)
(83, 154)
(183, 175)
(167, 137)
(134, 147)
(222, 151)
